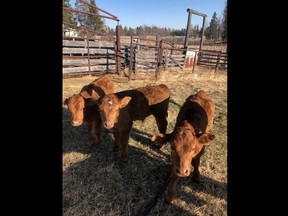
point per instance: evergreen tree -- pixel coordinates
(195, 31)
(95, 22)
(219, 29)
(131, 32)
(207, 33)
(212, 29)
(92, 22)
(67, 15)
(81, 18)
(111, 31)
(224, 23)
(125, 31)
(140, 31)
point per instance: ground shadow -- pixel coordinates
(144, 138)
(101, 182)
(74, 138)
(103, 177)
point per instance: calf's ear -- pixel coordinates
(206, 138)
(124, 101)
(160, 138)
(94, 95)
(65, 101)
(85, 94)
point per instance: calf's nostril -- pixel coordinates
(107, 124)
(76, 123)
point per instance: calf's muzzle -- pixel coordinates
(183, 172)
(76, 123)
(108, 125)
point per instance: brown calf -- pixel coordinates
(83, 107)
(119, 110)
(188, 139)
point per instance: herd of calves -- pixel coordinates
(98, 105)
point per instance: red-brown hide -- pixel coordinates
(119, 110)
(83, 107)
(188, 139)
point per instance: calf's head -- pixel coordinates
(185, 145)
(109, 107)
(76, 105)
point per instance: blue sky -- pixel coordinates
(161, 13)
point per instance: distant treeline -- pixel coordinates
(215, 30)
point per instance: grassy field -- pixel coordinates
(95, 182)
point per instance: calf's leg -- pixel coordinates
(161, 124)
(116, 135)
(171, 192)
(195, 164)
(124, 138)
(90, 133)
(160, 113)
(98, 126)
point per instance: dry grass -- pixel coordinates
(96, 183)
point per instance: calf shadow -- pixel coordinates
(206, 185)
(145, 139)
(74, 138)
(102, 176)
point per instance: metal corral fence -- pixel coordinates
(216, 59)
(97, 56)
(94, 52)
(83, 55)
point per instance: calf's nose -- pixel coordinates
(108, 125)
(182, 172)
(76, 123)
